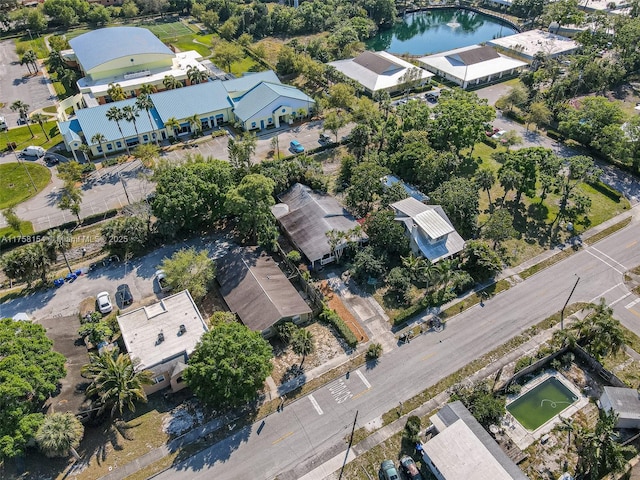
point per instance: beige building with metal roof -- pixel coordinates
(431, 232)
(377, 71)
(473, 65)
(162, 336)
(255, 289)
(463, 449)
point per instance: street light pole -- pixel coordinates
(10, 145)
(567, 302)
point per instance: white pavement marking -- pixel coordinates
(620, 299)
(315, 404)
(610, 258)
(603, 261)
(632, 304)
(364, 380)
(340, 391)
(605, 292)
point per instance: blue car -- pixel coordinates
(296, 147)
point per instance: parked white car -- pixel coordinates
(498, 135)
(104, 302)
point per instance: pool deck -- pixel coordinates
(523, 437)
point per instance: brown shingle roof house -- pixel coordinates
(254, 287)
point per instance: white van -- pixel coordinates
(3, 124)
(33, 151)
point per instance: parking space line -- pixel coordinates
(315, 404)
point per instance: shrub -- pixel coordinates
(109, 162)
(88, 168)
(490, 141)
(513, 389)
(218, 133)
(331, 317)
(412, 428)
(555, 135)
(374, 351)
(606, 190)
(286, 331)
(294, 256)
(522, 363)
(409, 312)
(515, 116)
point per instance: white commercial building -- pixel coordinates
(473, 65)
(526, 45)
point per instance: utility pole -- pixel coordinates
(124, 187)
(567, 302)
(353, 429)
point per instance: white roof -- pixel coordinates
(459, 454)
(433, 224)
(529, 43)
(449, 62)
(372, 80)
(140, 329)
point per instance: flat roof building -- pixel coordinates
(624, 402)
(255, 289)
(463, 449)
(377, 71)
(162, 336)
(526, 45)
(472, 66)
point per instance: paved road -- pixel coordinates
(312, 429)
(17, 84)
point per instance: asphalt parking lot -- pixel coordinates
(17, 84)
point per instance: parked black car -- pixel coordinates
(123, 295)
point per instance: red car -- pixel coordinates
(492, 131)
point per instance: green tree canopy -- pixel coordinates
(29, 373)
(480, 261)
(385, 234)
(188, 269)
(460, 200)
(125, 235)
(229, 365)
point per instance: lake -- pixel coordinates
(432, 31)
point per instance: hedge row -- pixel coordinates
(408, 313)
(332, 317)
(490, 142)
(607, 191)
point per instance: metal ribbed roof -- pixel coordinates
(101, 46)
(185, 102)
(433, 224)
(262, 95)
(249, 80)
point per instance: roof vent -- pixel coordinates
(160, 338)
(182, 330)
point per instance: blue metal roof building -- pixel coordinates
(200, 99)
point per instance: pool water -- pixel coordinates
(541, 403)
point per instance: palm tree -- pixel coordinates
(173, 124)
(143, 102)
(195, 75)
(115, 114)
(23, 109)
(302, 343)
(336, 238)
(485, 180)
(147, 89)
(115, 381)
(60, 434)
(40, 119)
(116, 92)
(100, 139)
(567, 426)
(413, 265)
(130, 113)
(59, 241)
(170, 82)
(195, 123)
(70, 199)
(30, 59)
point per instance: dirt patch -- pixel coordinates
(335, 303)
(183, 418)
(285, 362)
(211, 303)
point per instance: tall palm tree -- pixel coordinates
(115, 382)
(173, 124)
(23, 109)
(116, 92)
(30, 59)
(100, 139)
(147, 89)
(60, 434)
(40, 119)
(143, 102)
(485, 180)
(130, 113)
(195, 123)
(170, 82)
(302, 343)
(59, 241)
(413, 265)
(195, 75)
(115, 115)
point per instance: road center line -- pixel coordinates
(610, 258)
(315, 404)
(286, 435)
(605, 262)
(620, 299)
(604, 293)
(364, 380)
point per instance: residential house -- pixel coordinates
(307, 217)
(430, 231)
(161, 337)
(625, 403)
(256, 290)
(463, 449)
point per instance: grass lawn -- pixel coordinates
(50, 109)
(15, 186)
(244, 65)
(23, 138)
(188, 42)
(26, 228)
(271, 47)
(24, 44)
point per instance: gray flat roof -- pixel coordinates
(141, 327)
(105, 44)
(624, 401)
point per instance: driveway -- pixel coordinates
(17, 84)
(56, 303)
